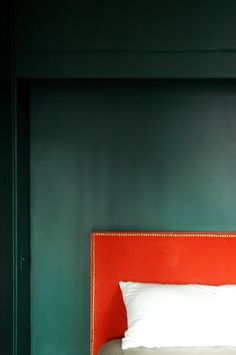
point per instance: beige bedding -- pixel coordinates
(113, 347)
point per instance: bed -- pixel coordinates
(177, 258)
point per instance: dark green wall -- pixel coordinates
(14, 202)
(112, 154)
(163, 25)
(22, 197)
(164, 38)
(150, 155)
(6, 255)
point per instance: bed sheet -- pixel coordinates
(113, 347)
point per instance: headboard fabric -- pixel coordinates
(159, 257)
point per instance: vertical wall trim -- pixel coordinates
(15, 213)
(22, 220)
(14, 184)
(14, 218)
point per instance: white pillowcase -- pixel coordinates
(162, 315)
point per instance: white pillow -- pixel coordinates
(161, 315)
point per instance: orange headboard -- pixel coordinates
(177, 258)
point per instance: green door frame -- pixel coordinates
(21, 219)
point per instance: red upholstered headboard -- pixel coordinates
(177, 258)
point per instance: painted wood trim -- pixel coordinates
(126, 64)
(21, 218)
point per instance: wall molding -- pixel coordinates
(116, 64)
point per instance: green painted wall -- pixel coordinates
(23, 219)
(6, 260)
(151, 155)
(177, 147)
(155, 38)
(163, 25)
